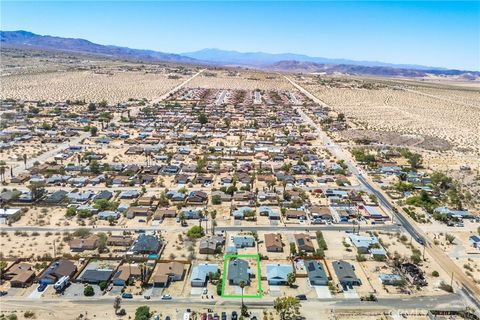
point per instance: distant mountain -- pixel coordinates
(302, 66)
(25, 40)
(263, 59)
(288, 62)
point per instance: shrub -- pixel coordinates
(88, 291)
(195, 232)
(435, 273)
(142, 313)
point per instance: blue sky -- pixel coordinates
(441, 34)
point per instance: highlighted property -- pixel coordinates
(238, 265)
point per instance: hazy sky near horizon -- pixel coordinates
(432, 33)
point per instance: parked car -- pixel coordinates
(224, 315)
(166, 297)
(234, 315)
(3, 293)
(301, 297)
(147, 297)
(42, 287)
(127, 295)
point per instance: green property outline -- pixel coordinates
(226, 258)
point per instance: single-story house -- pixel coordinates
(316, 273)
(167, 272)
(200, 274)
(346, 274)
(277, 274)
(273, 242)
(238, 271)
(304, 243)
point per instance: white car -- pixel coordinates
(166, 297)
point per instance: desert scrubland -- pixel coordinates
(450, 115)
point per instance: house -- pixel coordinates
(125, 274)
(197, 197)
(129, 194)
(243, 241)
(167, 272)
(363, 243)
(182, 179)
(238, 271)
(277, 274)
(273, 242)
(119, 241)
(192, 213)
(6, 213)
(295, 214)
(240, 212)
(21, 275)
(82, 244)
(474, 241)
(176, 196)
(459, 214)
(95, 276)
(391, 279)
(304, 243)
(108, 214)
(210, 245)
(133, 212)
(200, 274)
(57, 270)
(104, 194)
(319, 212)
(346, 274)
(316, 273)
(145, 244)
(80, 197)
(56, 197)
(162, 213)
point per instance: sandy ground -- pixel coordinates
(451, 114)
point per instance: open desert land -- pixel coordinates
(448, 115)
(146, 198)
(247, 80)
(84, 78)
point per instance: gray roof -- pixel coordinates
(315, 271)
(238, 270)
(344, 271)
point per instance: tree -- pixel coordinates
(202, 118)
(242, 285)
(195, 232)
(88, 291)
(92, 107)
(142, 313)
(117, 304)
(287, 307)
(93, 131)
(291, 278)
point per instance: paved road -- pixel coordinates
(181, 85)
(450, 301)
(338, 227)
(468, 288)
(46, 155)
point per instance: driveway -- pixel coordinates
(322, 292)
(350, 294)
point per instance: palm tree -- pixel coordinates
(242, 285)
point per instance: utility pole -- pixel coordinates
(54, 250)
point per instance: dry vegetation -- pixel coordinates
(449, 114)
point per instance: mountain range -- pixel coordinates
(288, 62)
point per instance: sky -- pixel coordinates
(432, 33)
